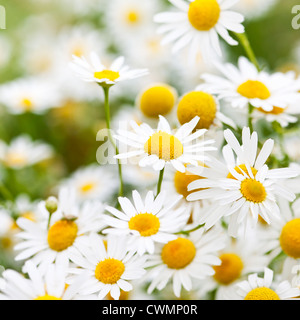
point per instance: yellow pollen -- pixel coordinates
(253, 190)
(107, 74)
(290, 238)
(26, 104)
(164, 145)
(204, 14)
(182, 180)
(179, 253)
(230, 268)
(87, 187)
(253, 89)
(47, 297)
(146, 224)
(132, 17)
(197, 103)
(109, 271)
(14, 159)
(275, 111)
(62, 234)
(157, 100)
(262, 293)
(241, 169)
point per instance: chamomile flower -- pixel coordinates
(23, 152)
(253, 9)
(185, 259)
(109, 268)
(48, 244)
(91, 183)
(247, 189)
(92, 70)
(244, 84)
(49, 286)
(199, 24)
(147, 222)
(158, 147)
(257, 288)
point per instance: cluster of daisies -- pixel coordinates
(193, 203)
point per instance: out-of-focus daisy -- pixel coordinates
(257, 288)
(253, 9)
(147, 222)
(199, 24)
(204, 105)
(23, 152)
(160, 146)
(248, 187)
(91, 183)
(93, 70)
(245, 84)
(185, 259)
(45, 245)
(51, 286)
(110, 267)
(29, 95)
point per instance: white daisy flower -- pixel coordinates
(23, 152)
(244, 187)
(70, 222)
(51, 286)
(93, 70)
(185, 259)
(110, 269)
(245, 84)
(253, 9)
(147, 222)
(157, 147)
(199, 24)
(91, 183)
(257, 288)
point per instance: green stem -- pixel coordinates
(6, 193)
(187, 232)
(244, 41)
(160, 179)
(107, 118)
(250, 122)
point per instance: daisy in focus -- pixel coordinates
(243, 188)
(266, 288)
(244, 85)
(92, 70)
(184, 260)
(154, 220)
(110, 267)
(51, 286)
(23, 152)
(159, 147)
(199, 24)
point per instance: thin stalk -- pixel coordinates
(160, 180)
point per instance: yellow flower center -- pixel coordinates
(62, 234)
(26, 104)
(157, 100)
(241, 169)
(253, 190)
(47, 297)
(204, 14)
(182, 180)
(230, 268)
(200, 104)
(146, 224)
(107, 74)
(15, 159)
(290, 238)
(132, 17)
(164, 145)
(179, 253)
(87, 187)
(253, 89)
(275, 111)
(109, 271)
(262, 293)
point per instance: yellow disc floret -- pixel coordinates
(157, 100)
(27, 104)
(262, 293)
(109, 271)
(47, 297)
(290, 238)
(164, 145)
(275, 111)
(179, 253)
(241, 169)
(87, 187)
(230, 269)
(253, 190)
(182, 180)
(204, 14)
(107, 74)
(197, 103)
(253, 89)
(146, 224)
(62, 234)
(132, 17)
